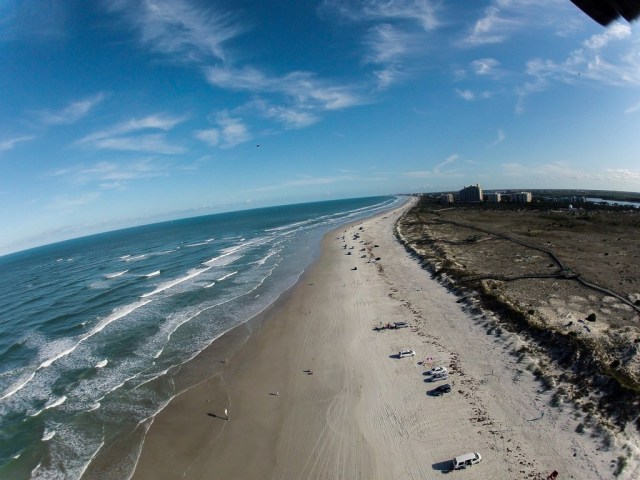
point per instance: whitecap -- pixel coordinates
(209, 285)
(54, 403)
(116, 274)
(102, 363)
(48, 435)
(93, 407)
(226, 276)
(164, 286)
(116, 314)
(129, 258)
(18, 386)
(152, 274)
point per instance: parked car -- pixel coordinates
(406, 353)
(435, 370)
(441, 390)
(439, 376)
(466, 460)
(401, 325)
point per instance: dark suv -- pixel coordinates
(442, 389)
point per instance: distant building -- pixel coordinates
(472, 193)
(446, 198)
(521, 197)
(493, 197)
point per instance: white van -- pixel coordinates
(466, 460)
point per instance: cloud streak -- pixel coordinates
(504, 19)
(129, 136)
(110, 175)
(178, 29)
(609, 58)
(10, 143)
(421, 12)
(72, 112)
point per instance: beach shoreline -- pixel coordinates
(312, 391)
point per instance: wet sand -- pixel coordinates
(363, 413)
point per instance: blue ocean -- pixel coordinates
(90, 328)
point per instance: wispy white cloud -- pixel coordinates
(308, 181)
(388, 47)
(602, 59)
(438, 171)
(548, 171)
(398, 34)
(68, 202)
(129, 136)
(291, 117)
(72, 112)
(230, 132)
(632, 108)
(563, 173)
(177, 28)
(110, 175)
(501, 138)
(466, 94)
(485, 67)
(10, 143)
(505, 18)
(422, 12)
(386, 43)
(151, 143)
(492, 28)
(303, 88)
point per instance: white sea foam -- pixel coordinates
(226, 276)
(263, 260)
(116, 314)
(152, 274)
(164, 286)
(199, 244)
(93, 407)
(102, 363)
(48, 435)
(54, 403)
(116, 274)
(64, 353)
(86, 465)
(226, 252)
(35, 469)
(129, 258)
(209, 285)
(18, 386)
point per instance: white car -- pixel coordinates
(439, 376)
(406, 353)
(435, 370)
(466, 460)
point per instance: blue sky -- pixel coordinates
(116, 113)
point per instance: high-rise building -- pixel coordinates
(521, 197)
(493, 197)
(472, 193)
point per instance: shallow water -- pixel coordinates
(90, 327)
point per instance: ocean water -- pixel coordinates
(90, 327)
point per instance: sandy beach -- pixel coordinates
(316, 393)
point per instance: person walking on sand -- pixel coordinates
(226, 414)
